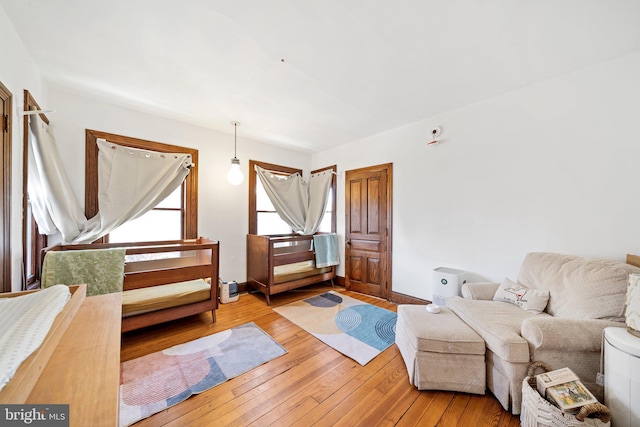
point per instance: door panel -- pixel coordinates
(373, 205)
(355, 268)
(367, 230)
(354, 209)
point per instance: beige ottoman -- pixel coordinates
(441, 352)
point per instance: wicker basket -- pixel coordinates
(538, 412)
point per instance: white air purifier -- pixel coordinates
(228, 291)
(447, 283)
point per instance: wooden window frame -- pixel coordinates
(334, 186)
(253, 178)
(5, 233)
(285, 170)
(190, 192)
(38, 241)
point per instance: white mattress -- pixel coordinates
(26, 320)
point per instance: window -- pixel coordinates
(263, 218)
(176, 217)
(34, 242)
(268, 220)
(5, 215)
(328, 224)
(164, 222)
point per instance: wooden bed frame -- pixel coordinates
(264, 252)
(18, 389)
(196, 259)
(633, 260)
(72, 364)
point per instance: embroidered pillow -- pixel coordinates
(532, 300)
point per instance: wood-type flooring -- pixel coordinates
(313, 384)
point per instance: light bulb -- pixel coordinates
(234, 176)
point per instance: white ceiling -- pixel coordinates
(313, 74)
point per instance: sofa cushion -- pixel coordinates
(579, 288)
(497, 323)
(532, 300)
(439, 333)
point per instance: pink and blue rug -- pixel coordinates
(355, 328)
(154, 382)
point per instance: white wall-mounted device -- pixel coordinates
(435, 133)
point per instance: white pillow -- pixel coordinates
(532, 300)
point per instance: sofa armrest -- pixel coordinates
(553, 333)
(479, 290)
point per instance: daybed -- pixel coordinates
(279, 263)
(162, 280)
(585, 296)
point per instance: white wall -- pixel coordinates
(550, 167)
(222, 207)
(17, 73)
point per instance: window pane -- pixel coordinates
(263, 203)
(152, 226)
(30, 242)
(173, 200)
(271, 223)
(325, 225)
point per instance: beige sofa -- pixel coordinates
(585, 296)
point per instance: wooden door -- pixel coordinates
(368, 230)
(5, 214)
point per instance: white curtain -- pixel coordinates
(53, 203)
(130, 182)
(299, 204)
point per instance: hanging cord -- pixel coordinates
(235, 139)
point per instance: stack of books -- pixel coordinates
(564, 389)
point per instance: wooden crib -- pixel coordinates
(279, 263)
(164, 280)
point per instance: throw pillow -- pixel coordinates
(532, 300)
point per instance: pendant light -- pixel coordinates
(234, 176)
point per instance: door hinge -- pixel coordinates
(5, 123)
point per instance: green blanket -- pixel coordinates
(101, 269)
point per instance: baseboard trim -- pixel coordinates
(244, 287)
(396, 297)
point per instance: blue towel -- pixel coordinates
(326, 248)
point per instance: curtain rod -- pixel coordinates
(31, 112)
(285, 173)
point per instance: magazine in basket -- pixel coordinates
(559, 376)
(570, 396)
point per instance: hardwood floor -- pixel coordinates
(312, 384)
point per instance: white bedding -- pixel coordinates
(27, 320)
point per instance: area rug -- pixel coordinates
(154, 382)
(355, 328)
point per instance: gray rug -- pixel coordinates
(154, 382)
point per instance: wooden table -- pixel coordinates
(84, 371)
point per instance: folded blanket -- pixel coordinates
(101, 269)
(25, 321)
(326, 249)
